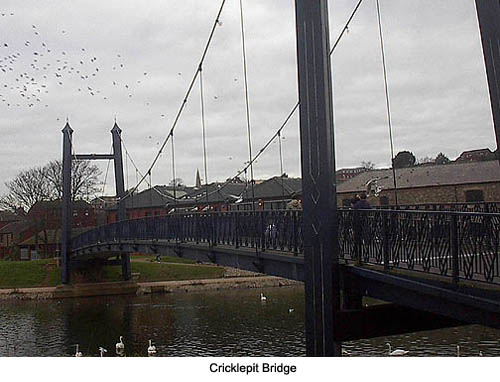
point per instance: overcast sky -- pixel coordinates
(91, 61)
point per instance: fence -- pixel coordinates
(461, 245)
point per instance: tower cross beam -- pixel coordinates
(93, 156)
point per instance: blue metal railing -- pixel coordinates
(459, 245)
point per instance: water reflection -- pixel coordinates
(222, 323)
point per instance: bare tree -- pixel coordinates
(27, 188)
(84, 179)
(368, 165)
(442, 159)
(425, 160)
(177, 182)
(45, 183)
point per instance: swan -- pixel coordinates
(78, 353)
(120, 346)
(262, 297)
(290, 310)
(151, 349)
(345, 352)
(102, 351)
(397, 351)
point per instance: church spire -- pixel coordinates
(198, 179)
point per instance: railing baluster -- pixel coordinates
(454, 248)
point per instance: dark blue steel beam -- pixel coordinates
(388, 320)
(93, 157)
(120, 192)
(472, 306)
(269, 263)
(66, 205)
(488, 14)
(318, 177)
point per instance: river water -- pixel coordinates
(221, 323)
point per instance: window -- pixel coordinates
(472, 196)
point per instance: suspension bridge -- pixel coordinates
(434, 268)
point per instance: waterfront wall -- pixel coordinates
(124, 288)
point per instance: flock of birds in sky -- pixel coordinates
(32, 69)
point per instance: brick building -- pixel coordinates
(38, 233)
(458, 182)
(476, 155)
(347, 173)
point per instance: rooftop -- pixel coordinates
(424, 176)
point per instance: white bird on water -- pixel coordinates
(397, 351)
(102, 351)
(151, 349)
(120, 346)
(262, 297)
(78, 353)
(458, 350)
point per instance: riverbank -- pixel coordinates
(39, 280)
(141, 288)
(47, 273)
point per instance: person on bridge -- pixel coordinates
(361, 202)
(360, 228)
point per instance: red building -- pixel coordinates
(38, 234)
(347, 173)
(476, 155)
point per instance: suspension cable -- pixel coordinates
(198, 71)
(126, 169)
(281, 167)
(388, 109)
(150, 193)
(346, 27)
(173, 169)
(247, 106)
(106, 175)
(203, 128)
(245, 168)
(294, 108)
(186, 97)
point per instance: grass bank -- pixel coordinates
(163, 259)
(43, 273)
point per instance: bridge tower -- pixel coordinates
(321, 251)
(488, 14)
(67, 197)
